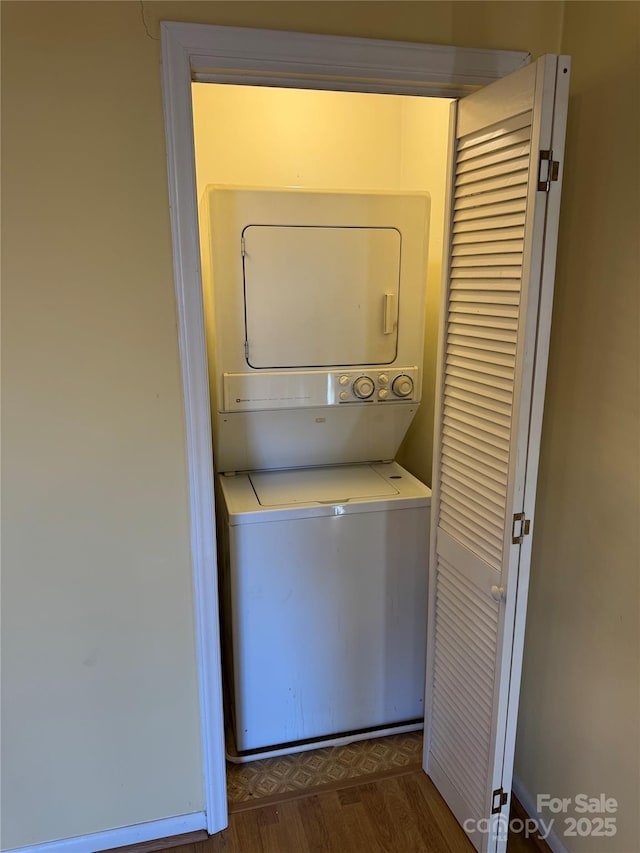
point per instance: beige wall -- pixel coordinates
(99, 702)
(579, 718)
(100, 715)
(100, 722)
(282, 137)
(520, 25)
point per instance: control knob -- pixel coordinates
(363, 387)
(402, 385)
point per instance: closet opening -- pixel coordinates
(335, 150)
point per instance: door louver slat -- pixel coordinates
(472, 247)
(510, 259)
(498, 399)
(482, 640)
(477, 479)
(508, 220)
(499, 325)
(474, 448)
(462, 534)
(500, 284)
(505, 155)
(468, 746)
(462, 428)
(483, 317)
(473, 734)
(443, 751)
(483, 202)
(481, 187)
(485, 407)
(464, 714)
(476, 238)
(490, 370)
(501, 348)
(460, 293)
(491, 214)
(490, 378)
(494, 422)
(464, 675)
(474, 648)
(490, 429)
(491, 309)
(467, 749)
(500, 166)
(456, 484)
(497, 361)
(491, 272)
(492, 476)
(481, 510)
(499, 135)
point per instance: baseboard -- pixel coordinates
(528, 804)
(165, 843)
(123, 836)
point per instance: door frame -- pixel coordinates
(205, 53)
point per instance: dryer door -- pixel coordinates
(320, 296)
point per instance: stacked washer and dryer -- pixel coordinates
(315, 323)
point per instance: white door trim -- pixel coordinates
(261, 57)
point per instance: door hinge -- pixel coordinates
(550, 168)
(498, 800)
(243, 247)
(520, 528)
(246, 350)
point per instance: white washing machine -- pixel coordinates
(314, 306)
(325, 579)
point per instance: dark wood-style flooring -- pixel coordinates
(398, 814)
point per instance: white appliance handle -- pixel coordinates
(389, 321)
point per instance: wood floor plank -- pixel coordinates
(245, 833)
(348, 822)
(387, 816)
(436, 824)
(403, 814)
(285, 833)
(315, 827)
(348, 795)
(400, 814)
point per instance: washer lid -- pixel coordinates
(319, 485)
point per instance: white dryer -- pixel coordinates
(315, 323)
(314, 307)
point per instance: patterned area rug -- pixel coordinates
(307, 770)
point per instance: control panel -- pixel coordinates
(270, 390)
(376, 386)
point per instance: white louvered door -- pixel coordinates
(492, 367)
